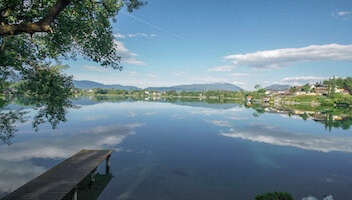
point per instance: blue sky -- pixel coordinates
(173, 42)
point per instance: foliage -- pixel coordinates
(259, 89)
(8, 121)
(336, 99)
(274, 196)
(302, 98)
(171, 93)
(306, 88)
(36, 35)
(345, 83)
(293, 89)
(70, 28)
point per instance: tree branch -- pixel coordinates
(24, 28)
(42, 25)
(55, 11)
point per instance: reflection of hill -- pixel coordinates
(206, 105)
(85, 101)
(92, 100)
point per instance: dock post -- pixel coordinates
(75, 195)
(107, 165)
(92, 175)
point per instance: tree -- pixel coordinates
(259, 89)
(274, 196)
(293, 89)
(37, 33)
(306, 88)
(348, 84)
(331, 86)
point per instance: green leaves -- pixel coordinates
(28, 48)
(51, 91)
(274, 196)
(80, 28)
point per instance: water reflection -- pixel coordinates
(53, 110)
(180, 151)
(46, 89)
(8, 121)
(50, 110)
(330, 117)
(88, 191)
(276, 135)
(19, 159)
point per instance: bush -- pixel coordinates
(274, 196)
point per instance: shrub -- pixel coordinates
(274, 196)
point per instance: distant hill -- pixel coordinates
(92, 84)
(198, 87)
(278, 87)
(178, 88)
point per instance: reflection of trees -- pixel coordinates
(48, 92)
(345, 123)
(257, 108)
(8, 119)
(331, 117)
(258, 111)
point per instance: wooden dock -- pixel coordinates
(60, 181)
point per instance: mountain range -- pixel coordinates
(198, 87)
(189, 88)
(84, 84)
(91, 84)
(278, 87)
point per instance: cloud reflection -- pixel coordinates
(17, 161)
(277, 136)
(219, 123)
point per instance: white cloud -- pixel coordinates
(94, 68)
(278, 58)
(179, 73)
(224, 68)
(133, 35)
(302, 80)
(239, 74)
(118, 35)
(136, 35)
(126, 55)
(343, 15)
(238, 83)
(149, 75)
(210, 79)
(132, 73)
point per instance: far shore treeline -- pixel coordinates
(335, 91)
(331, 92)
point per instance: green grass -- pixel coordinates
(303, 98)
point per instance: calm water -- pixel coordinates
(189, 151)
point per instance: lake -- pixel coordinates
(167, 151)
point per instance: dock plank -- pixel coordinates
(57, 182)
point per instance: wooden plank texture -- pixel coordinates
(61, 179)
